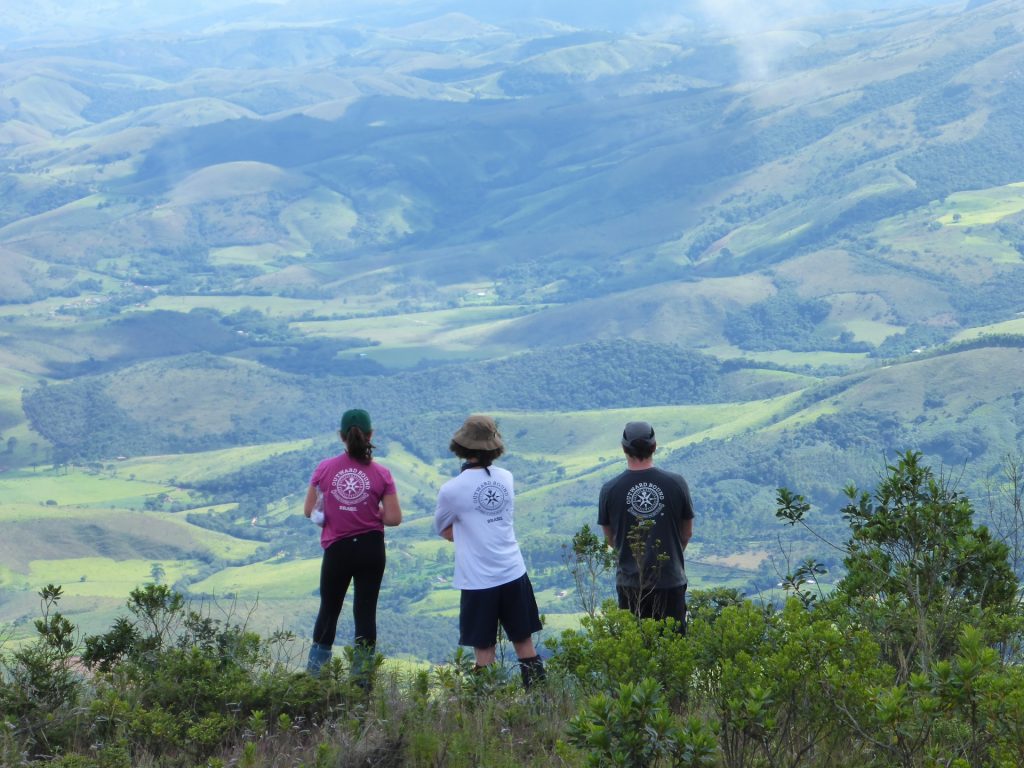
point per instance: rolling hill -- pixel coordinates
(795, 245)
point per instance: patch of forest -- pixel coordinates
(83, 421)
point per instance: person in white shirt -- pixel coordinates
(475, 511)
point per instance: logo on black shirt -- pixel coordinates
(645, 500)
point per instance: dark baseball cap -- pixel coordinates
(356, 417)
(638, 434)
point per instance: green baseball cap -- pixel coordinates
(356, 417)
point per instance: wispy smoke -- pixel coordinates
(762, 29)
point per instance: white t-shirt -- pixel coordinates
(480, 506)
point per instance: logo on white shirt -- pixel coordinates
(490, 497)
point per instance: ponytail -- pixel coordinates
(358, 444)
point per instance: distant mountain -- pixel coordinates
(794, 244)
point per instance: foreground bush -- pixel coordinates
(911, 662)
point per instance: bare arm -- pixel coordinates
(609, 536)
(391, 511)
(310, 501)
(686, 531)
(448, 533)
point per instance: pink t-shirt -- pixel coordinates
(352, 493)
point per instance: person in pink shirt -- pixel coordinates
(359, 499)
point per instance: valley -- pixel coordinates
(795, 260)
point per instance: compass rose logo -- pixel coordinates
(351, 486)
(645, 500)
(490, 497)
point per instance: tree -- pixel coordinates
(157, 572)
(917, 568)
(589, 559)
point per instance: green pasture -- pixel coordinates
(403, 357)
(43, 533)
(41, 313)
(102, 577)
(872, 331)
(442, 329)
(782, 226)
(272, 306)
(412, 475)
(769, 375)
(982, 207)
(786, 358)
(1015, 326)
(704, 577)
(90, 614)
(554, 600)
(420, 526)
(442, 600)
(24, 511)
(205, 465)
(272, 579)
(221, 545)
(936, 239)
(27, 446)
(12, 580)
(771, 231)
(556, 623)
(250, 255)
(991, 249)
(75, 487)
(11, 382)
(288, 506)
(804, 416)
(581, 440)
(428, 548)
(321, 216)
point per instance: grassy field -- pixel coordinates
(427, 334)
(1015, 326)
(100, 576)
(272, 306)
(270, 579)
(784, 357)
(323, 216)
(578, 441)
(958, 236)
(206, 465)
(984, 207)
(76, 487)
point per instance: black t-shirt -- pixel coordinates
(647, 494)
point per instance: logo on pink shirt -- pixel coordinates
(350, 486)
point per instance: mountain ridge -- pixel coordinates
(795, 248)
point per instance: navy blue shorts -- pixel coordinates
(512, 604)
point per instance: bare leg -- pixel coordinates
(525, 649)
(484, 656)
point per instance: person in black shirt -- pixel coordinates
(647, 516)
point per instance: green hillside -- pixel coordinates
(795, 247)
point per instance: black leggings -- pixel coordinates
(360, 558)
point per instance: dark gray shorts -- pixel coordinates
(655, 603)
